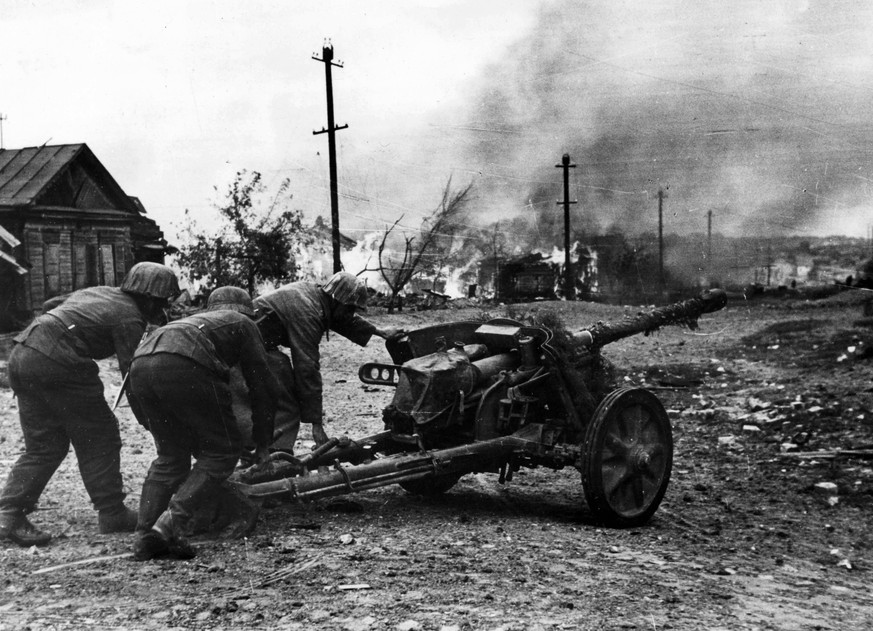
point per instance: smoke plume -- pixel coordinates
(758, 112)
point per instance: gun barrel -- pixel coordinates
(685, 313)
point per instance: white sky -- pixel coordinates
(759, 110)
(174, 97)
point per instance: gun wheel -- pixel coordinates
(627, 457)
(431, 485)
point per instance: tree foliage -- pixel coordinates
(255, 241)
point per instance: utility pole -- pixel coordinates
(709, 238)
(3, 117)
(495, 277)
(569, 282)
(661, 196)
(327, 59)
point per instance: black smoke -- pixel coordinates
(758, 112)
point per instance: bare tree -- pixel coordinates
(435, 236)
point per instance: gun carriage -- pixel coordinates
(495, 397)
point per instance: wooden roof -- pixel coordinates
(26, 174)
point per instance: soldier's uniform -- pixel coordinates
(61, 401)
(303, 312)
(179, 381)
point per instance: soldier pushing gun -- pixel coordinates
(60, 396)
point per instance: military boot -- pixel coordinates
(149, 545)
(173, 535)
(169, 533)
(118, 519)
(153, 501)
(18, 529)
(162, 539)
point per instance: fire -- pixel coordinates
(363, 261)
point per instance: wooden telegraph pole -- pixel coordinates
(569, 280)
(661, 196)
(709, 239)
(327, 59)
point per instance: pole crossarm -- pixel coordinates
(324, 130)
(338, 64)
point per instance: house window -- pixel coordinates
(91, 267)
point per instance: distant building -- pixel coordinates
(316, 261)
(324, 233)
(528, 278)
(539, 276)
(65, 224)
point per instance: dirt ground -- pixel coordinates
(756, 531)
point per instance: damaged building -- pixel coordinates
(65, 224)
(538, 276)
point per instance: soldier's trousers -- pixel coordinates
(188, 411)
(59, 406)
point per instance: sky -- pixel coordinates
(175, 97)
(759, 112)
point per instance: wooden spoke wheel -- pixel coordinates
(431, 485)
(627, 457)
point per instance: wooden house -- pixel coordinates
(536, 276)
(529, 277)
(65, 224)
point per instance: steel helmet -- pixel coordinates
(233, 298)
(347, 289)
(151, 279)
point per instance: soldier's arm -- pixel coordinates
(359, 330)
(126, 337)
(262, 384)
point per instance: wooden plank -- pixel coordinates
(107, 264)
(66, 263)
(11, 260)
(9, 238)
(52, 255)
(63, 566)
(35, 286)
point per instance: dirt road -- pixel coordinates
(751, 535)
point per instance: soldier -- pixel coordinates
(60, 396)
(296, 316)
(179, 384)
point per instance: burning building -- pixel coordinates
(538, 276)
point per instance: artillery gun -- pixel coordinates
(494, 397)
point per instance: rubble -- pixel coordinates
(827, 488)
